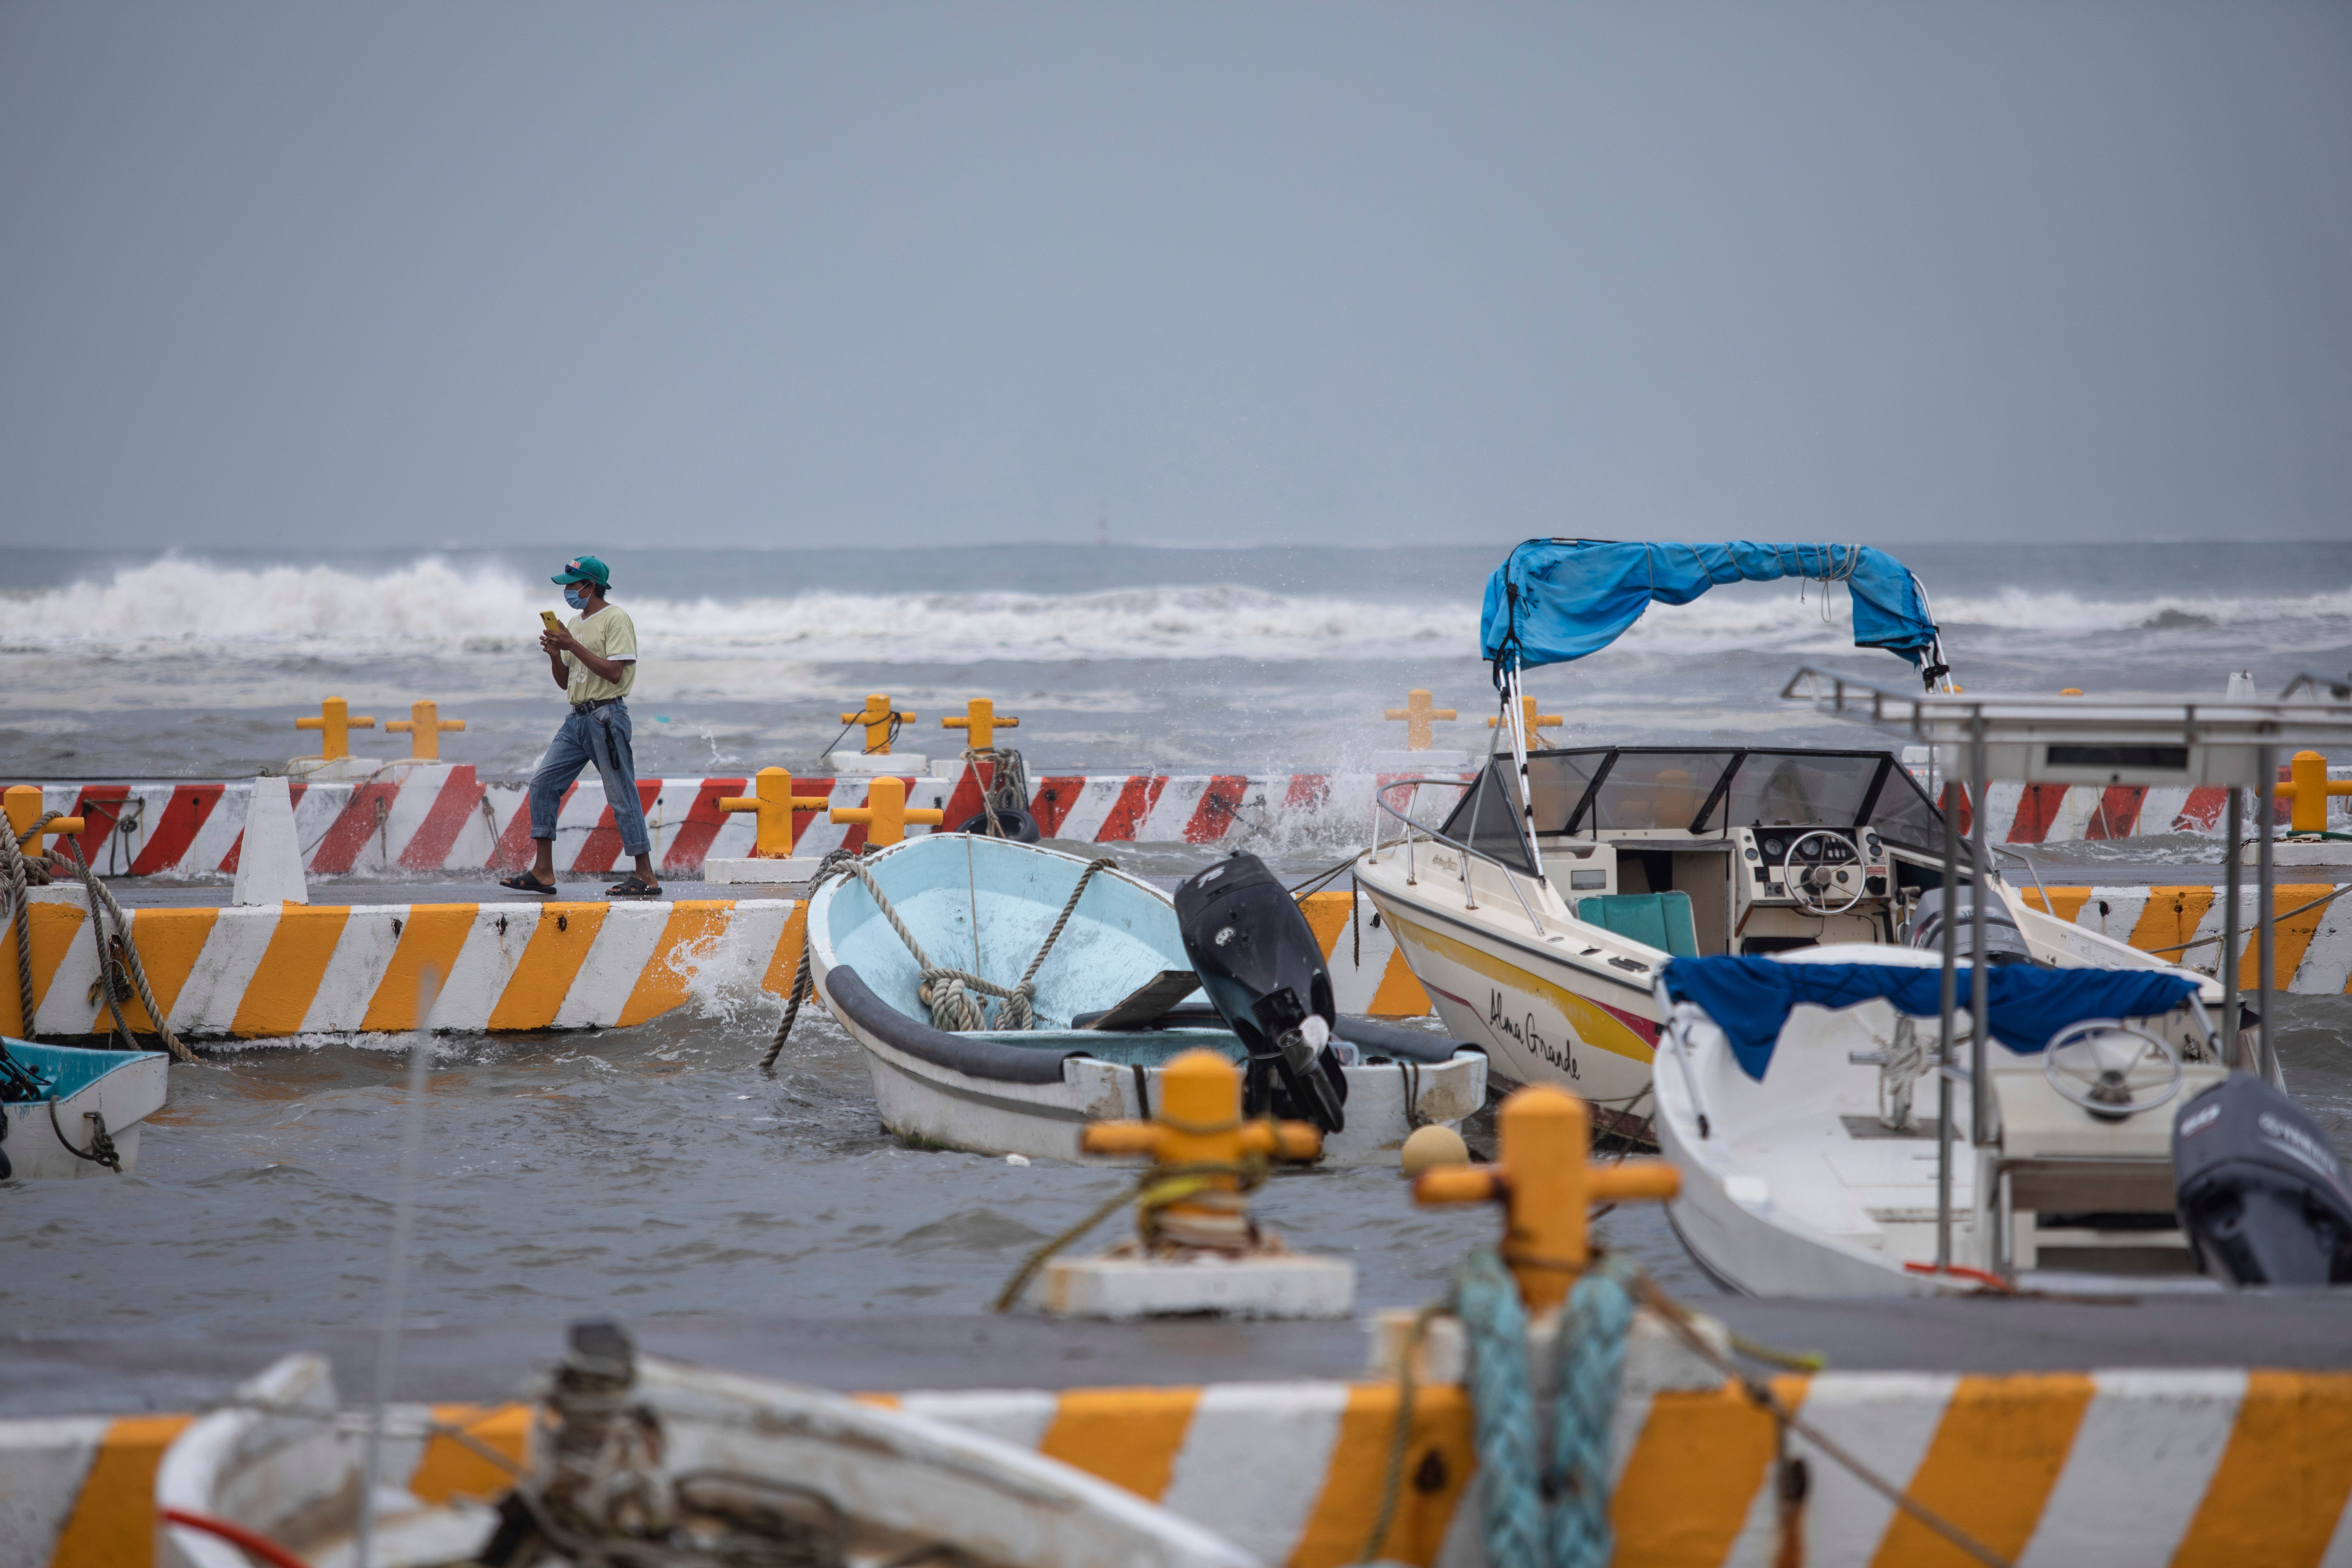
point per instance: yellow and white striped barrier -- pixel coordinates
(2192, 1467)
(1368, 973)
(2314, 940)
(274, 970)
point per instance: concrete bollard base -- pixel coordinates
(1285, 1286)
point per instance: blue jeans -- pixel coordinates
(601, 738)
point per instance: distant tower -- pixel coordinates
(1102, 527)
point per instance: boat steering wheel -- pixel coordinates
(2098, 1055)
(1801, 884)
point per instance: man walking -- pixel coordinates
(594, 659)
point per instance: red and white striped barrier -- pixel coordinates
(440, 819)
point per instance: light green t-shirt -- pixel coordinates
(607, 634)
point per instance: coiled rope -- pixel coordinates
(953, 995)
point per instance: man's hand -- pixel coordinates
(556, 644)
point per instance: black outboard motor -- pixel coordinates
(2262, 1192)
(2004, 944)
(1264, 972)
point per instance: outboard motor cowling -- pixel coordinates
(2004, 944)
(1262, 969)
(2262, 1192)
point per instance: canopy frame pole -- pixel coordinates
(1980, 976)
(1514, 710)
(2266, 914)
(2233, 881)
(1949, 1006)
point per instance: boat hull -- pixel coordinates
(1029, 1092)
(1540, 1017)
(123, 1087)
(927, 1103)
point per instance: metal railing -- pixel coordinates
(1412, 829)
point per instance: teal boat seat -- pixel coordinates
(1662, 920)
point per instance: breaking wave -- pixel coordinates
(433, 607)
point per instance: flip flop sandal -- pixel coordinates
(633, 887)
(524, 882)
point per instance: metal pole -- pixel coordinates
(2266, 975)
(2233, 888)
(1944, 1050)
(1979, 973)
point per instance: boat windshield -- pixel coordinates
(1699, 791)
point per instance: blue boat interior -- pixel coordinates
(984, 905)
(69, 1069)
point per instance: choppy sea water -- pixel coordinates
(653, 1170)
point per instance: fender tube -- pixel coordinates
(966, 1054)
(1391, 1040)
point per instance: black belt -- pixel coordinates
(591, 706)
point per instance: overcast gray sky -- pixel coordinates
(776, 274)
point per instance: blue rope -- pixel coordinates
(1591, 1355)
(1520, 1529)
(1502, 1409)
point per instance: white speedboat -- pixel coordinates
(638, 1461)
(67, 1112)
(1810, 1151)
(1537, 901)
(985, 907)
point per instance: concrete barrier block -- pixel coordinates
(1288, 1286)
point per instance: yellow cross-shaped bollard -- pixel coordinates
(772, 796)
(1547, 1182)
(1199, 1122)
(877, 716)
(24, 806)
(884, 815)
(2308, 791)
(336, 719)
(1420, 719)
(979, 721)
(1532, 721)
(423, 726)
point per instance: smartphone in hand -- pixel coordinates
(546, 619)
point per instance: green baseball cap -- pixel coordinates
(587, 569)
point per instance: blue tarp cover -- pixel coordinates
(1750, 998)
(1558, 599)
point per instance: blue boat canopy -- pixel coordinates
(1750, 998)
(1554, 600)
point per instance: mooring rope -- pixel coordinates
(101, 898)
(953, 995)
(20, 915)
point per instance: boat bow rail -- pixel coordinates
(1414, 830)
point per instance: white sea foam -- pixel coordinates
(433, 607)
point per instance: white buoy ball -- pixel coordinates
(1430, 1147)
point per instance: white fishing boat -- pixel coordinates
(1108, 998)
(1810, 1148)
(1538, 902)
(634, 1460)
(67, 1112)
(2091, 1126)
